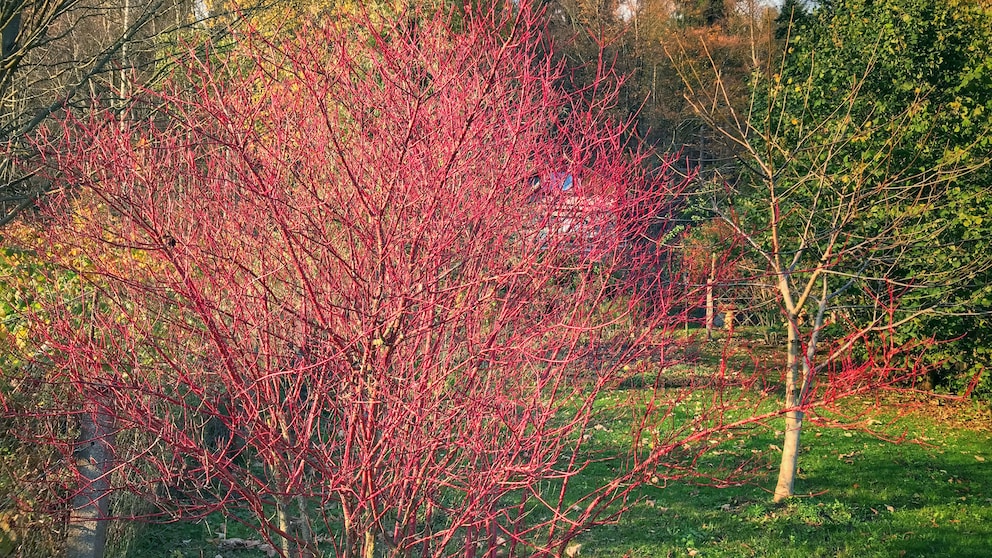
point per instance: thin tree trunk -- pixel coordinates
(368, 549)
(285, 525)
(710, 310)
(796, 388)
(305, 532)
(793, 417)
(87, 533)
(123, 90)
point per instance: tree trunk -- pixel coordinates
(87, 533)
(796, 389)
(710, 310)
(793, 417)
(283, 519)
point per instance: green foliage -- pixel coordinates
(792, 14)
(923, 63)
(892, 97)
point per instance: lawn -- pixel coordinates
(929, 494)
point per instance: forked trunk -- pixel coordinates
(796, 388)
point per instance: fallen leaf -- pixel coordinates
(573, 550)
(890, 508)
(979, 458)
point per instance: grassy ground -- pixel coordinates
(928, 495)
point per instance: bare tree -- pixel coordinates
(62, 55)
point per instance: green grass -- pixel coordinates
(857, 495)
(929, 495)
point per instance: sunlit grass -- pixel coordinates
(929, 494)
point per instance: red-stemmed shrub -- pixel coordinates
(319, 293)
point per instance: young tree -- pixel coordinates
(325, 290)
(847, 153)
